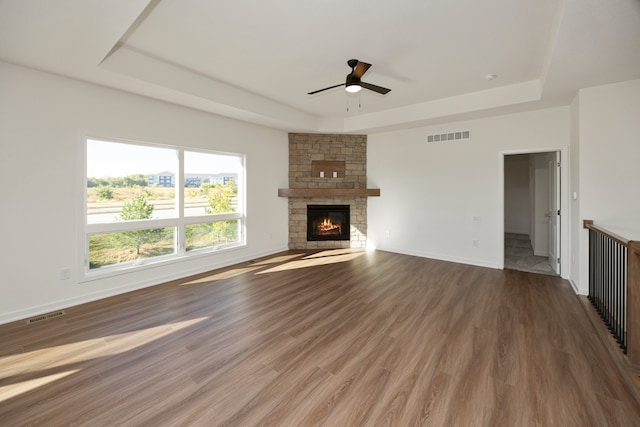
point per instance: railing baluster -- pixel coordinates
(626, 294)
(606, 303)
(608, 281)
(616, 286)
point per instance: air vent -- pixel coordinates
(449, 136)
(45, 317)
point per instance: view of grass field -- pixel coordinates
(137, 202)
(109, 249)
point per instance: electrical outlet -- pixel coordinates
(65, 274)
(475, 243)
(387, 234)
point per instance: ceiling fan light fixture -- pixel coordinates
(353, 84)
(353, 88)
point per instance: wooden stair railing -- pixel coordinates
(614, 286)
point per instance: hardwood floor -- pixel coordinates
(335, 338)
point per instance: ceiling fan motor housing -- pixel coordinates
(353, 83)
(352, 80)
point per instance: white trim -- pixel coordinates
(565, 242)
(575, 287)
(155, 262)
(144, 224)
(178, 222)
(439, 257)
(70, 302)
(82, 260)
(180, 234)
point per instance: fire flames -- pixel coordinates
(327, 226)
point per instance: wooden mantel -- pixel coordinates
(328, 192)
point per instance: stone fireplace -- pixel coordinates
(328, 171)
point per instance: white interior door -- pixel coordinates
(554, 212)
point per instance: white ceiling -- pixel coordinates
(256, 60)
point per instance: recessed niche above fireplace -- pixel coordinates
(328, 222)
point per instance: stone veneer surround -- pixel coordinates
(305, 148)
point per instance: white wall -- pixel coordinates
(609, 157)
(517, 204)
(42, 118)
(437, 199)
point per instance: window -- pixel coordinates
(147, 204)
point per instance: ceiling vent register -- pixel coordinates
(450, 136)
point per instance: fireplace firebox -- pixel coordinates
(328, 222)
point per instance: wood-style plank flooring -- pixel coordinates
(335, 338)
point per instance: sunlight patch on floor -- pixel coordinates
(29, 364)
(227, 274)
(13, 390)
(320, 258)
(334, 252)
(278, 259)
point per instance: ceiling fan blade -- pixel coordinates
(379, 89)
(360, 69)
(326, 88)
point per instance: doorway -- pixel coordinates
(532, 212)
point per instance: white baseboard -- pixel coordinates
(440, 257)
(576, 288)
(95, 296)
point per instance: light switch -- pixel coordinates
(321, 174)
(335, 174)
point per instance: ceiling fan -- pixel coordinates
(353, 83)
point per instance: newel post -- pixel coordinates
(633, 295)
